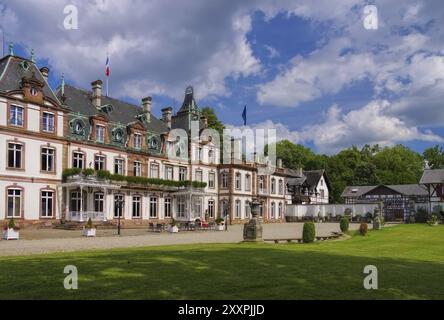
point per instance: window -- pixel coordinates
(322, 182)
(15, 151)
(211, 156)
(238, 181)
(261, 210)
(169, 173)
(137, 206)
(118, 210)
(224, 180)
(261, 184)
(273, 210)
(153, 207)
(238, 209)
(273, 185)
(119, 166)
(48, 122)
(211, 208)
(137, 169)
(247, 182)
(33, 91)
(47, 163)
(280, 210)
(14, 203)
(322, 194)
(167, 208)
(182, 174)
(78, 160)
(281, 186)
(47, 203)
(75, 201)
(247, 209)
(99, 162)
(137, 141)
(16, 116)
(211, 180)
(198, 175)
(181, 206)
(154, 170)
(100, 133)
(98, 201)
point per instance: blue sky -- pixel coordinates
(310, 69)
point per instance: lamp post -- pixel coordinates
(119, 203)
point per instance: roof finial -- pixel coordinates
(11, 49)
(32, 55)
(62, 86)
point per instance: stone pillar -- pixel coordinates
(253, 228)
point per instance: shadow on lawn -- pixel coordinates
(217, 272)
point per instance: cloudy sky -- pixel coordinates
(310, 69)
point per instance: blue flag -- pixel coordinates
(244, 115)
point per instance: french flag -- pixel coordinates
(107, 66)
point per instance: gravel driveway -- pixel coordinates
(50, 240)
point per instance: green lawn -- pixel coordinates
(410, 261)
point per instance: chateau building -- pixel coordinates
(72, 154)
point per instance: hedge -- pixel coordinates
(344, 223)
(309, 232)
(104, 174)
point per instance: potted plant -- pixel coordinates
(173, 227)
(11, 231)
(220, 224)
(89, 230)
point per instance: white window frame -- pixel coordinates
(154, 167)
(44, 200)
(78, 157)
(15, 148)
(211, 180)
(49, 124)
(16, 113)
(100, 133)
(154, 202)
(17, 194)
(137, 141)
(136, 204)
(137, 168)
(119, 166)
(46, 153)
(167, 205)
(100, 159)
(238, 181)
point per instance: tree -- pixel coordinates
(213, 121)
(434, 157)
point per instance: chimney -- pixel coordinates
(45, 72)
(236, 151)
(279, 163)
(146, 104)
(97, 93)
(166, 116)
(255, 158)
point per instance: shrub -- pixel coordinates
(219, 220)
(421, 215)
(89, 224)
(363, 228)
(344, 223)
(88, 172)
(348, 212)
(309, 232)
(433, 219)
(103, 174)
(369, 216)
(71, 172)
(12, 225)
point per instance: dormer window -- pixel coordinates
(34, 92)
(137, 141)
(118, 135)
(78, 127)
(100, 133)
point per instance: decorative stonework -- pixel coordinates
(253, 228)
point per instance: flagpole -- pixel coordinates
(107, 77)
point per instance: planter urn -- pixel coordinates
(253, 228)
(173, 229)
(10, 234)
(89, 232)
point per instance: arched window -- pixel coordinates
(273, 210)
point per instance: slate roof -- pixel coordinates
(405, 189)
(432, 176)
(313, 176)
(11, 74)
(79, 100)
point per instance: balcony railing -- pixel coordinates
(85, 215)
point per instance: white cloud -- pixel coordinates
(368, 125)
(272, 52)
